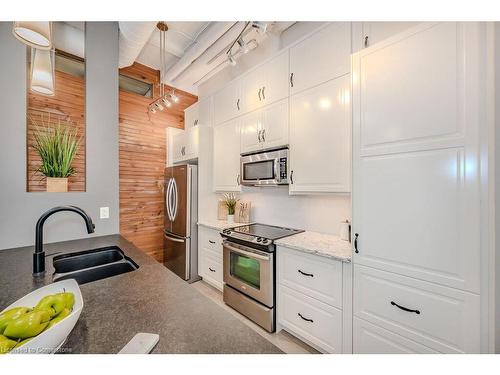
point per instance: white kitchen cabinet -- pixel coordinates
(227, 102)
(227, 156)
(191, 116)
(265, 128)
(200, 113)
(310, 305)
(321, 57)
(210, 256)
(374, 32)
(185, 145)
(266, 84)
(416, 186)
(320, 137)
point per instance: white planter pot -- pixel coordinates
(230, 219)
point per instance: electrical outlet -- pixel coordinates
(104, 213)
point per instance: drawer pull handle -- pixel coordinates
(306, 319)
(211, 269)
(305, 273)
(405, 308)
(211, 241)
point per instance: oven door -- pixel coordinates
(250, 271)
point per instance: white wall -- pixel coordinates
(20, 210)
(273, 205)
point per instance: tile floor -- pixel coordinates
(283, 340)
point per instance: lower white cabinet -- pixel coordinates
(371, 339)
(227, 156)
(441, 318)
(310, 299)
(210, 256)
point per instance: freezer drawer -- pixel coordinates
(177, 254)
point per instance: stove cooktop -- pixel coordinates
(260, 234)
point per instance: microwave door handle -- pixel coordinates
(276, 170)
(246, 253)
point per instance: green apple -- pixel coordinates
(6, 344)
(10, 315)
(28, 325)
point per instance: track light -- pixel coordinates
(159, 106)
(174, 97)
(166, 102)
(260, 26)
(243, 46)
(231, 60)
(152, 109)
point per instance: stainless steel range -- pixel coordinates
(250, 270)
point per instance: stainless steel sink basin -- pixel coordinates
(91, 265)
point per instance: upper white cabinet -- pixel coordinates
(265, 84)
(185, 145)
(374, 32)
(200, 113)
(320, 138)
(227, 156)
(265, 128)
(227, 103)
(191, 116)
(322, 56)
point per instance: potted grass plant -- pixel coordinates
(230, 201)
(57, 146)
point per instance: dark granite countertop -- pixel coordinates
(151, 299)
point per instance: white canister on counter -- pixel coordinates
(345, 228)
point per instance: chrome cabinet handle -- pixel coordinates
(405, 308)
(263, 93)
(238, 104)
(263, 135)
(306, 319)
(213, 242)
(291, 79)
(211, 269)
(259, 95)
(291, 177)
(260, 132)
(238, 179)
(305, 273)
(356, 235)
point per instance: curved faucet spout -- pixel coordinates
(39, 255)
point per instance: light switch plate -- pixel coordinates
(104, 212)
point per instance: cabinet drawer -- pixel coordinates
(441, 318)
(210, 240)
(314, 321)
(317, 277)
(211, 268)
(371, 339)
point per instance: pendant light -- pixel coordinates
(42, 71)
(34, 34)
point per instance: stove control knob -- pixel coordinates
(265, 240)
(259, 239)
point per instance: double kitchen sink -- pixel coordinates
(92, 265)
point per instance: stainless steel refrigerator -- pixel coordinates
(181, 215)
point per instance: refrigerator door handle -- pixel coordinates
(175, 239)
(175, 199)
(167, 199)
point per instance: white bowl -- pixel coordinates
(51, 339)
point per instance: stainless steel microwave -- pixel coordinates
(265, 168)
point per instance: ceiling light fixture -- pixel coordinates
(260, 26)
(42, 77)
(34, 34)
(166, 102)
(174, 97)
(231, 60)
(243, 46)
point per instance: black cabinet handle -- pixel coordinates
(291, 80)
(211, 269)
(306, 319)
(405, 308)
(263, 93)
(291, 177)
(356, 235)
(305, 273)
(366, 41)
(260, 98)
(238, 104)
(211, 241)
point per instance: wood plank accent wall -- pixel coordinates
(68, 104)
(142, 144)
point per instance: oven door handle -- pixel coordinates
(249, 254)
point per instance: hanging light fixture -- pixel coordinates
(34, 34)
(243, 46)
(42, 75)
(165, 99)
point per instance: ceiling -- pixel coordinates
(180, 36)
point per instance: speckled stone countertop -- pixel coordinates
(219, 224)
(151, 299)
(325, 245)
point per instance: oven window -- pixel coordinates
(259, 170)
(245, 269)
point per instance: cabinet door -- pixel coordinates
(251, 132)
(205, 110)
(251, 89)
(227, 103)
(321, 57)
(416, 206)
(227, 156)
(191, 116)
(275, 125)
(192, 142)
(179, 146)
(276, 82)
(374, 32)
(320, 138)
